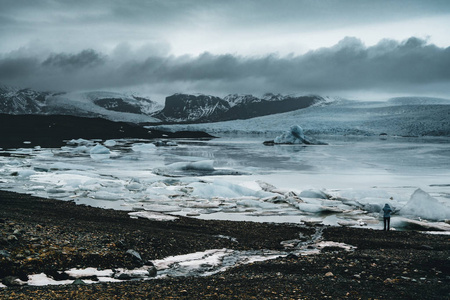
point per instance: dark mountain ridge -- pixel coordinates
(178, 108)
(52, 130)
(183, 108)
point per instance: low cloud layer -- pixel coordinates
(410, 66)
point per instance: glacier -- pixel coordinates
(407, 116)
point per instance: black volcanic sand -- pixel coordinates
(50, 131)
(44, 235)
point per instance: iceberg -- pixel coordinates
(99, 152)
(295, 135)
(424, 206)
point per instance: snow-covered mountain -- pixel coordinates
(21, 101)
(180, 108)
(410, 116)
(190, 108)
(108, 105)
(271, 114)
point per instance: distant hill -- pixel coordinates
(51, 130)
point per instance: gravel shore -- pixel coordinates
(43, 235)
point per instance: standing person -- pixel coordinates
(387, 216)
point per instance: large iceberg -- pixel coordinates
(424, 206)
(295, 135)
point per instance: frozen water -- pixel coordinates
(238, 178)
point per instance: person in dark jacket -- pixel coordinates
(387, 210)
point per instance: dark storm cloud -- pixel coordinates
(390, 65)
(84, 58)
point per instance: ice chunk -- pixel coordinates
(346, 223)
(224, 189)
(203, 165)
(100, 152)
(80, 149)
(25, 173)
(313, 194)
(211, 257)
(99, 149)
(81, 273)
(420, 225)
(143, 147)
(324, 244)
(134, 186)
(294, 136)
(110, 143)
(151, 215)
(79, 142)
(256, 203)
(68, 166)
(311, 221)
(42, 280)
(423, 205)
(104, 195)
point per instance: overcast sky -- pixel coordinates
(348, 48)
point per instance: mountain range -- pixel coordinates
(178, 108)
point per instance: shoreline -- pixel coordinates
(54, 235)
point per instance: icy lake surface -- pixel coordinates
(238, 178)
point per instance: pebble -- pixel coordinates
(78, 281)
(12, 281)
(5, 253)
(152, 272)
(12, 238)
(134, 254)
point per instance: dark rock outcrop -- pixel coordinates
(186, 108)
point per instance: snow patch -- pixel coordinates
(151, 215)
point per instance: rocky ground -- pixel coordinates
(42, 235)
